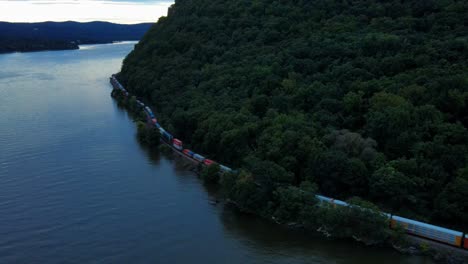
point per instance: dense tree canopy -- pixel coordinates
(362, 98)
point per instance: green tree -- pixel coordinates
(390, 185)
(211, 173)
(452, 203)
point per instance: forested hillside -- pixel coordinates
(361, 98)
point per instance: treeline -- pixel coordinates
(147, 135)
(64, 35)
(24, 45)
(297, 206)
(361, 99)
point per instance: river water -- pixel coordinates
(77, 187)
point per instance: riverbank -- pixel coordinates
(373, 228)
(409, 245)
(33, 45)
(77, 186)
(440, 253)
(18, 46)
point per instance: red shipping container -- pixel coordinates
(177, 142)
(208, 162)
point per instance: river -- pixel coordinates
(77, 187)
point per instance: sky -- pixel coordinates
(117, 11)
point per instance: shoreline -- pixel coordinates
(413, 245)
(76, 47)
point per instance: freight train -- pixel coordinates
(411, 227)
(415, 228)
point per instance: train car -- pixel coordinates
(465, 243)
(140, 103)
(432, 232)
(154, 121)
(176, 143)
(323, 199)
(208, 162)
(389, 216)
(161, 130)
(333, 202)
(339, 202)
(188, 152)
(198, 157)
(168, 137)
(148, 110)
(157, 125)
(225, 169)
(150, 113)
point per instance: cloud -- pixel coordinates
(83, 10)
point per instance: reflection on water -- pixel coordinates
(6, 74)
(77, 187)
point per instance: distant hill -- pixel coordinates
(64, 35)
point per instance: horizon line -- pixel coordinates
(76, 21)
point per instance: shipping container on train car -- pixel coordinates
(161, 130)
(154, 121)
(432, 232)
(177, 144)
(323, 198)
(198, 157)
(339, 202)
(140, 103)
(225, 169)
(168, 137)
(465, 243)
(188, 152)
(158, 126)
(331, 201)
(148, 110)
(208, 162)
